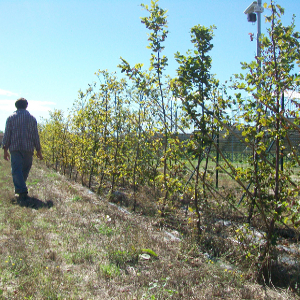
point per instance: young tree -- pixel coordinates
(265, 125)
(194, 88)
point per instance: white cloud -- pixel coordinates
(7, 93)
(7, 105)
(33, 105)
(39, 109)
(40, 106)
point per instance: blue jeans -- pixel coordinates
(21, 162)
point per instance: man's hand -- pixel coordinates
(6, 154)
(39, 154)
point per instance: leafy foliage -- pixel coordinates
(126, 131)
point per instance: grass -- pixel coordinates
(74, 245)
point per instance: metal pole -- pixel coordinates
(259, 33)
(258, 53)
(171, 116)
(282, 109)
(218, 155)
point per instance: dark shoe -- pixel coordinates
(23, 199)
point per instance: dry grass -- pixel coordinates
(75, 245)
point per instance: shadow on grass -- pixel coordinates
(282, 275)
(33, 203)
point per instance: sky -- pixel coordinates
(51, 49)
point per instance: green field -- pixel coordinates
(73, 244)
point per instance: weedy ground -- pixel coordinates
(73, 244)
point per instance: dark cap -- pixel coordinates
(21, 103)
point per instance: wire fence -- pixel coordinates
(234, 148)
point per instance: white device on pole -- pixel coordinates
(254, 8)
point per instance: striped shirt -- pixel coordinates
(21, 132)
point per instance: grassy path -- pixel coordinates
(75, 245)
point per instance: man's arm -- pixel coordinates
(6, 139)
(37, 143)
(39, 154)
(6, 154)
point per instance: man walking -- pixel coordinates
(20, 138)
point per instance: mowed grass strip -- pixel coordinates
(74, 245)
